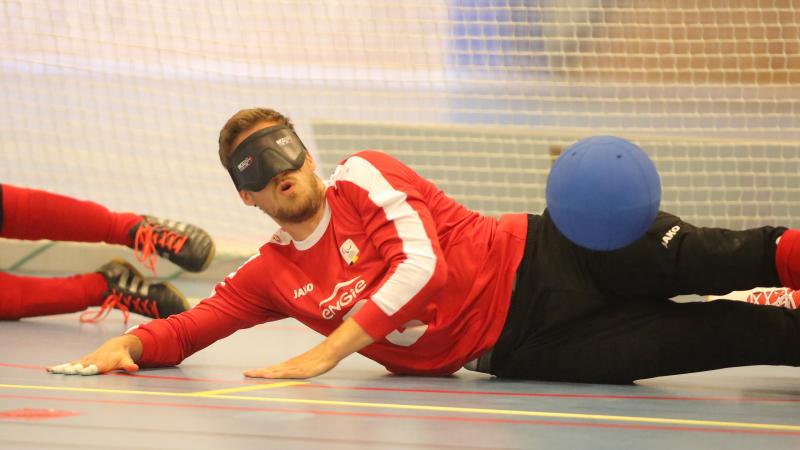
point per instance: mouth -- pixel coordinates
(285, 187)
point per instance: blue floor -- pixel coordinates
(207, 404)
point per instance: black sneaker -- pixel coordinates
(129, 292)
(188, 246)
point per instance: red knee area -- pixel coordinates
(787, 259)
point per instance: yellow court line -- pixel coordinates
(254, 387)
(505, 412)
(513, 412)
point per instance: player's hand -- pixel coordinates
(310, 364)
(349, 337)
(120, 352)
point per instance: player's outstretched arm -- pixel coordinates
(345, 340)
(117, 353)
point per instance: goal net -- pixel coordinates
(120, 101)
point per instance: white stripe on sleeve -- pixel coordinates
(414, 273)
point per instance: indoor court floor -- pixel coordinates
(206, 403)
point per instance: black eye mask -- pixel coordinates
(263, 155)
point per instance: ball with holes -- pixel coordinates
(603, 193)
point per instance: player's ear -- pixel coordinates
(247, 198)
(311, 162)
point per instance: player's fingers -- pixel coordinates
(253, 373)
(72, 369)
(278, 372)
(264, 372)
(91, 369)
(127, 364)
(76, 368)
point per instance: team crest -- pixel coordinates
(349, 252)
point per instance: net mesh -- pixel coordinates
(120, 101)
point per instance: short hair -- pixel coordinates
(243, 121)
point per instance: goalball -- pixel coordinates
(603, 193)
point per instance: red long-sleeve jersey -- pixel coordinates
(428, 279)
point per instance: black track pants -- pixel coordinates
(605, 317)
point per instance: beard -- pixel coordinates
(300, 207)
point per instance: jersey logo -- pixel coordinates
(349, 252)
(303, 290)
(349, 293)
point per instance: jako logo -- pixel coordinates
(350, 292)
(245, 163)
(670, 234)
(286, 140)
(303, 290)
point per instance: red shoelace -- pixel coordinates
(124, 303)
(150, 237)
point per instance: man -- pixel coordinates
(383, 263)
(33, 214)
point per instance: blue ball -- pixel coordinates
(603, 193)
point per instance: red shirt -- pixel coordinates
(428, 279)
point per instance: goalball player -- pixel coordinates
(382, 262)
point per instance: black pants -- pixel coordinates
(605, 317)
